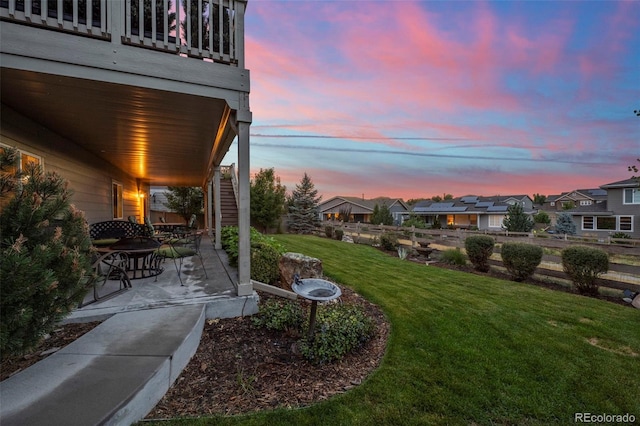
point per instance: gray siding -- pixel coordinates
(89, 177)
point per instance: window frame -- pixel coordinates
(493, 217)
(21, 153)
(117, 200)
(635, 196)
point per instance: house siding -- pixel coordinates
(89, 177)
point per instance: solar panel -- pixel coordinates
(497, 208)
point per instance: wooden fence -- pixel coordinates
(621, 276)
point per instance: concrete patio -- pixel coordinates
(217, 292)
(117, 373)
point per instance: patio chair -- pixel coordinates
(110, 276)
(181, 246)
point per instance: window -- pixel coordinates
(605, 223)
(553, 203)
(626, 223)
(585, 202)
(495, 220)
(587, 222)
(116, 199)
(24, 158)
(631, 196)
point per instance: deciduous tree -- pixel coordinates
(268, 198)
(185, 200)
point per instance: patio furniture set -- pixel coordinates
(127, 251)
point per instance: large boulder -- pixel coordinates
(297, 263)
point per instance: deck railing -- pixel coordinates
(211, 30)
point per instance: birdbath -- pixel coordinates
(316, 290)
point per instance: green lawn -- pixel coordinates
(467, 349)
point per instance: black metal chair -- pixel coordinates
(110, 276)
(180, 246)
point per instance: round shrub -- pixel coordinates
(453, 257)
(389, 241)
(583, 265)
(264, 262)
(520, 259)
(479, 249)
(280, 315)
(339, 330)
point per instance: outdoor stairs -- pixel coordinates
(113, 375)
(228, 204)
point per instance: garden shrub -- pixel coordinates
(339, 233)
(621, 235)
(583, 265)
(454, 257)
(265, 252)
(388, 241)
(479, 249)
(542, 217)
(339, 330)
(328, 231)
(264, 262)
(521, 259)
(45, 254)
(280, 315)
(565, 224)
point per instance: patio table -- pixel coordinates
(143, 258)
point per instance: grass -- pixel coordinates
(468, 349)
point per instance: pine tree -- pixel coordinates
(381, 215)
(565, 224)
(517, 220)
(303, 210)
(45, 262)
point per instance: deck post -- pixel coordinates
(217, 208)
(245, 288)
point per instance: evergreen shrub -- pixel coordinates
(328, 231)
(521, 259)
(479, 249)
(339, 233)
(45, 254)
(583, 265)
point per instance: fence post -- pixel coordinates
(413, 236)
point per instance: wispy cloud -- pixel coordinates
(489, 96)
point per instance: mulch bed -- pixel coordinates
(240, 368)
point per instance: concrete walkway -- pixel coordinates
(116, 373)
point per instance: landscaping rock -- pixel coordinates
(347, 239)
(297, 263)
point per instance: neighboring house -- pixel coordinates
(577, 198)
(471, 211)
(612, 208)
(115, 102)
(361, 209)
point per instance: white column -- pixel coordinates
(245, 287)
(217, 207)
(209, 211)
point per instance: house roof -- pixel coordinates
(627, 183)
(468, 204)
(594, 194)
(333, 204)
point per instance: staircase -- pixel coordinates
(228, 204)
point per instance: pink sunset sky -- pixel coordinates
(414, 99)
